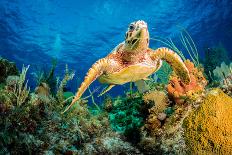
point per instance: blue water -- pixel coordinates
(78, 33)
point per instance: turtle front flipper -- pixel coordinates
(94, 72)
(173, 60)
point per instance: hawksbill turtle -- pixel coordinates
(130, 61)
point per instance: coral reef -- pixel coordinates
(162, 132)
(137, 123)
(208, 130)
(32, 122)
(180, 91)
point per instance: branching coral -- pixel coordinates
(21, 91)
(208, 130)
(180, 91)
(68, 76)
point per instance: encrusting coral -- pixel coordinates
(180, 91)
(208, 130)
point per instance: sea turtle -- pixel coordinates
(130, 61)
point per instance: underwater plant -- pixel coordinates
(187, 43)
(35, 125)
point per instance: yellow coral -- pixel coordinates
(208, 130)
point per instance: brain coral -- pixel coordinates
(208, 130)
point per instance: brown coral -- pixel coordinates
(208, 130)
(160, 101)
(180, 91)
(43, 89)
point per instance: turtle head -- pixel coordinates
(137, 36)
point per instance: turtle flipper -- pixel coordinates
(173, 60)
(94, 72)
(106, 89)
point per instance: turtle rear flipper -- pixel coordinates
(106, 89)
(94, 72)
(173, 60)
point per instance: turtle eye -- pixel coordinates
(131, 27)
